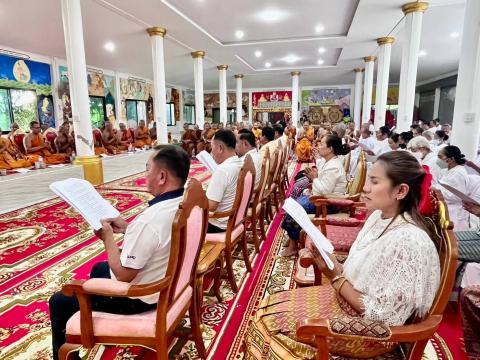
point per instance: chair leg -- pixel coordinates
(262, 224)
(162, 347)
(256, 240)
(217, 279)
(199, 291)
(229, 265)
(248, 265)
(66, 350)
(195, 322)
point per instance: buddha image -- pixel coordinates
(21, 71)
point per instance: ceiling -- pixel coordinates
(288, 34)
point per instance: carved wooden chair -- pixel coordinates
(177, 292)
(412, 336)
(269, 193)
(235, 232)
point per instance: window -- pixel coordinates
(189, 114)
(136, 111)
(170, 114)
(97, 111)
(427, 99)
(5, 112)
(447, 103)
(24, 107)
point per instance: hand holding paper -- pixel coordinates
(206, 159)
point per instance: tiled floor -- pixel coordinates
(21, 190)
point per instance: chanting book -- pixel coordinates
(83, 197)
(298, 213)
(206, 159)
(462, 196)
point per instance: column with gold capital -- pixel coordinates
(77, 69)
(222, 85)
(295, 89)
(408, 72)
(159, 92)
(198, 78)
(383, 72)
(357, 102)
(238, 97)
(368, 87)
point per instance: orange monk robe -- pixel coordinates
(257, 132)
(205, 143)
(126, 138)
(304, 146)
(189, 141)
(10, 157)
(140, 143)
(111, 146)
(49, 158)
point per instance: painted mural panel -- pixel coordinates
(271, 100)
(25, 74)
(327, 97)
(188, 97)
(212, 101)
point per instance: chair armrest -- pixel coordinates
(218, 215)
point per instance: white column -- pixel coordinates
(295, 84)
(57, 103)
(238, 97)
(357, 101)
(222, 85)
(408, 72)
(368, 88)
(77, 76)
(118, 101)
(159, 92)
(383, 72)
(436, 103)
(198, 76)
(466, 113)
(250, 108)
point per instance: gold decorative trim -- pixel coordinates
(198, 54)
(385, 40)
(222, 67)
(157, 30)
(92, 168)
(239, 76)
(369, 58)
(414, 7)
(358, 70)
(293, 73)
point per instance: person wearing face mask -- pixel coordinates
(394, 142)
(420, 148)
(440, 140)
(451, 160)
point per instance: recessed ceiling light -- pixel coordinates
(320, 62)
(267, 64)
(319, 28)
(291, 58)
(109, 46)
(271, 15)
(321, 50)
(422, 53)
(454, 34)
(258, 53)
(239, 34)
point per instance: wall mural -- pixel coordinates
(392, 95)
(212, 101)
(325, 105)
(188, 97)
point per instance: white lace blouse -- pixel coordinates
(398, 273)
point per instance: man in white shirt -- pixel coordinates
(278, 134)
(246, 146)
(268, 142)
(145, 252)
(223, 185)
(381, 145)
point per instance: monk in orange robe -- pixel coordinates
(125, 137)
(257, 131)
(142, 135)
(205, 142)
(189, 139)
(110, 139)
(305, 139)
(35, 144)
(11, 157)
(64, 141)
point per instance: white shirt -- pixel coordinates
(398, 272)
(223, 187)
(431, 161)
(146, 244)
(369, 143)
(257, 161)
(331, 178)
(456, 177)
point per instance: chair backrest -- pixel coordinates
(19, 139)
(262, 184)
(273, 167)
(355, 186)
(276, 175)
(188, 234)
(346, 162)
(245, 184)
(51, 136)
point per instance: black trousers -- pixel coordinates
(212, 229)
(63, 307)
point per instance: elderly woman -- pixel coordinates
(421, 149)
(391, 274)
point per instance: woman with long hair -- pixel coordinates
(392, 271)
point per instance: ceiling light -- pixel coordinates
(321, 50)
(258, 53)
(320, 62)
(267, 64)
(454, 34)
(422, 53)
(239, 34)
(271, 15)
(109, 46)
(319, 28)
(291, 58)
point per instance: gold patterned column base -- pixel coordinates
(92, 168)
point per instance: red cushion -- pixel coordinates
(341, 237)
(344, 221)
(18, 138)
(340, 202)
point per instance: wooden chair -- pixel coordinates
(256, 211)
(280, 180)
(177, 292)
(235, 232)
(20, 142)
(346, 162)
(414, 335)
(271, 193)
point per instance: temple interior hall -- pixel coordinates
(226, 180)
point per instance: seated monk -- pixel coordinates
(10, 156)
(110, 139)
(153, 132)
(189, 139)
(305, 138)
(36, 145)
(205, 142)
(142, 135)
(14, 130)
(65, 142)
(257, 130)
(125, 137)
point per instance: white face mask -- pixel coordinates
(417, 155)
(442, 164)
(435, 142)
